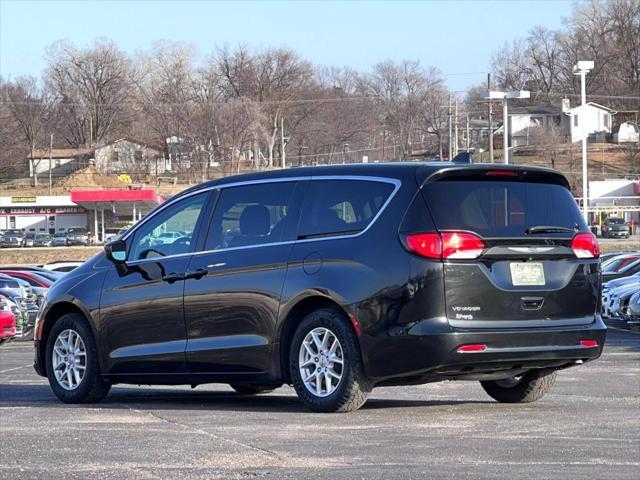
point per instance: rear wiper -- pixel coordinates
(548, 229)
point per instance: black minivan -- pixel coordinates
(336, 279)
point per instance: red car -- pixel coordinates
(31, 277)
(7, 325)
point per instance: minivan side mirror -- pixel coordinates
(116, 251)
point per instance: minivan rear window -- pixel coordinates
(501, 208)
(340, 207)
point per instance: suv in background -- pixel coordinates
(615, 227)
(12, 238)
(336, 280)
(77, 236)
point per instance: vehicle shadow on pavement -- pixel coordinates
(30, 395)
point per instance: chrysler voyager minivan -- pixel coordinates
(336, 280)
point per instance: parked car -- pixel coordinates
(7, 323)
(12, 238)
(42, 240)
(77, 236)
(606, 258)
(615, 227)
(622, 266)
(29, 239)
(166, 238)
(62, 266)
(39, 284)
(8, 303)
(21, 295)
(611, 292)
(633, 309)
(337, 279)
(59, 239)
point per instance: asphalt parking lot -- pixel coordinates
(586, 428)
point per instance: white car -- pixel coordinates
(167, 238)
(62, 266)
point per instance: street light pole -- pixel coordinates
(582, 68)
(498, 95)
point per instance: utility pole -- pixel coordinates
(455, 147)
(490, 120)
(284, 158)
(50, 157)
(450, 133)
(582, 68)
(505, 131)
(468, 137)
(384, 139)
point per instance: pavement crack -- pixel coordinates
(185, 426)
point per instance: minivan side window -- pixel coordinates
(170, 232)
(335, 207)
(253, 215)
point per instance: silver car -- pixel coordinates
(59, 239)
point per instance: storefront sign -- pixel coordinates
(23, 199)
(40, 210)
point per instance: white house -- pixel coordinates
(628, 132)
(592, 119)
(63, 161)
(525, 123)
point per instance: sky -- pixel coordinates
(458, 37)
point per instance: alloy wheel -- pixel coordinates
(321, 362)
(69, 359)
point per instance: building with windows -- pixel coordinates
(41, 214)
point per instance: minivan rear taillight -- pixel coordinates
(585, 245)
(445, 245)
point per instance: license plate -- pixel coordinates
(526, 274)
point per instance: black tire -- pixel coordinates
(92, 387)
(244, 389)
(353, 388)
(532, 386)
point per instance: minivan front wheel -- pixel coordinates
(525, 388)
(72, 362)
(325, 364)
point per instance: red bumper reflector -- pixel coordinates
(588, 343)
(474, 347)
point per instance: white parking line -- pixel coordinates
(14, 369)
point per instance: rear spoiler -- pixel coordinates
(492, 172)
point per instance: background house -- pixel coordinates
(562, 122)
(527, 123)
(592, 120)
(129, 156)
(63, 161)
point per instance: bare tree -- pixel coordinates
(401, 90)
(94, 88)
(29, 108)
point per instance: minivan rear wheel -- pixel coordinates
(325, 363)
(526, 388)
(72, 362)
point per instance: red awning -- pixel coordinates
(636, 188)
(120, 199)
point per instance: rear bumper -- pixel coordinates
(427, 350)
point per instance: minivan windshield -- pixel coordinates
(503, 208)
(616, 221)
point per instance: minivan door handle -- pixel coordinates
(173, 277)
(532, 303)
(197, 274)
